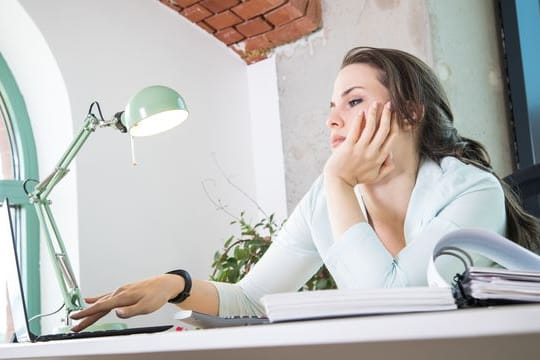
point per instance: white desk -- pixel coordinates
(509, 332)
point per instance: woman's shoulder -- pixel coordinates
(451, 171)
(441, 182)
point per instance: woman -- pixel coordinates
(399, 178)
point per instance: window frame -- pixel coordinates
(24, 145)
(520, 21)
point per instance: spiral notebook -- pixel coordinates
(488, 286)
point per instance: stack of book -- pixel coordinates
(340, 303)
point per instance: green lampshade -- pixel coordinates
(153, 110)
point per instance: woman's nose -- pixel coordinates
(334, 120)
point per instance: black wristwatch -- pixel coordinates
(187, 286)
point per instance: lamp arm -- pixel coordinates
(39, 198)
(44, 187)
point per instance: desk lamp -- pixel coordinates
(153, 110)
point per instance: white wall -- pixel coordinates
(266, 137)
(139, 221)
(467, 60)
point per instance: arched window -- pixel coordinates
(18, 162)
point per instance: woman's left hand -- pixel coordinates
(365, 157)
(138, 298)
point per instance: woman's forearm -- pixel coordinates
(203, 297)
(343, 207)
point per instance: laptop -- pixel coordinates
(16, 294)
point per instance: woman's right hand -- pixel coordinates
(365, 156)
(138, 298)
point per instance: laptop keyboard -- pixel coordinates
(92, 334)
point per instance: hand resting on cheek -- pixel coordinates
(365, 155)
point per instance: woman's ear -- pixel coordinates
(408, 124)
(417, 112)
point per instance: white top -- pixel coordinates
(446, 197)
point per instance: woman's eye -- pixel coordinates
(354, 102)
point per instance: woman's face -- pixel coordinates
(355, 88)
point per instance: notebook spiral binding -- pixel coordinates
(462, 299)
(460, 281)
(461, 295)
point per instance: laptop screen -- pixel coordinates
(13, 278)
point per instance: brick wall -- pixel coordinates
(252, 28)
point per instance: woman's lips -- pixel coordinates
(336, 141)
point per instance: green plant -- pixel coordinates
(240, 253)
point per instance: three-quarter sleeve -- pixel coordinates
(358, 258)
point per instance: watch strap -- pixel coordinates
(184, 294)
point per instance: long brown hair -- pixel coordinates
(414, 89)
